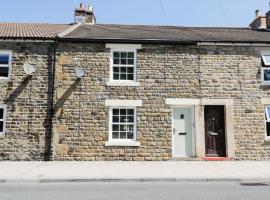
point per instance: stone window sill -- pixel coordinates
(123, 83)
(122, 144)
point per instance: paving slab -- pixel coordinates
(135, 171)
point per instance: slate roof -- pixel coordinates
(132, 33)
(110, 32)
(31, 30)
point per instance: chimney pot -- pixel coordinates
(257, 13)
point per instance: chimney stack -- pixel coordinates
(84, 15)
(259, 22)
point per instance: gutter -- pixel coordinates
(48, 154)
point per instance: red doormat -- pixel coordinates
(217, 159)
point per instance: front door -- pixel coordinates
(215, 145)
(182, 132)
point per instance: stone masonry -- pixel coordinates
(80, 123)
(164, 71)
(27, 102)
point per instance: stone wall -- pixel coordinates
(167, 71)
(164, 71)
(27, 102)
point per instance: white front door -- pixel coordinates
(182, 132)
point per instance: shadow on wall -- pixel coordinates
(61, 101)
(16, 93)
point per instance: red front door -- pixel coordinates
(215, 145)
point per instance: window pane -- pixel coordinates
(123, 55)
(123, 61)
(116, 76)
(130, 54)
(116, 61)
(123, 77)
(115, 135)
(116, 54)
(115, 119)
(123, 135)
(4, 59)
(266, 74)
(130, 70)
(267, 110)
(123, 119)
(116, 69)
(1, 126)
(115, 127)
(4, 71)
(130, 61)
(268, 129)
(266, 59)
(123, 111)
(1, 113)
(123, 69)
(115, 111)
(123, 127)
(130, 119)
(130, 135)
(130, 77)
(130, 112)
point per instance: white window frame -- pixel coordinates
(134, 124)
(8, 52)
(266, 120)
(123, 48)
(122, 104)
(267, 67)
(4, 118)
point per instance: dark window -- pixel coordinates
(4, 71)
(268, 129)
(2, 120)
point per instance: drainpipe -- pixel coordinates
(49, 149)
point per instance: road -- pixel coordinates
(132, 191)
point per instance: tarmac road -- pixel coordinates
(133, 190)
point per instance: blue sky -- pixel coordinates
(176, 12)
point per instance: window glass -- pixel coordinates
(267, 113)
(1, 126)
(123, 122)
(4, 71)
(266, 59)
(268, 129)
(1, 113)
(1, 120)
(266, 74)
(4, 59)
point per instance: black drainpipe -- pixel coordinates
(49, 150)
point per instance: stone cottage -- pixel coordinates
(90, 92)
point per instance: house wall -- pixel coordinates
(164, 71)
(27, 102)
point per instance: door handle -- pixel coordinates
(182, 133)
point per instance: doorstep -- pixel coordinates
(217, 159)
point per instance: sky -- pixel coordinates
(217, 13)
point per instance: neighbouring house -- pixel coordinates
(89, 91)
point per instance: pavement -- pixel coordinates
(173, 171)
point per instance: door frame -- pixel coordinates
(192, 128)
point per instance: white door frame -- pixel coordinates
(192, 128)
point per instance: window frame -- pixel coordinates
(111, 123)
(4, 107)
(114, 47)
(112, 65)
(9, 65)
